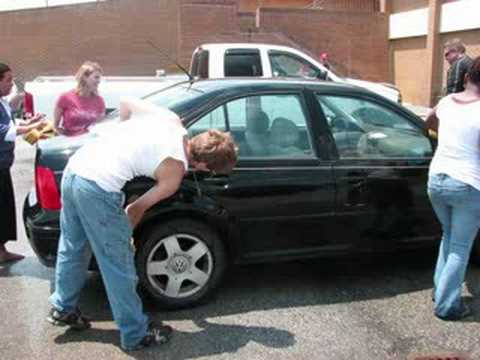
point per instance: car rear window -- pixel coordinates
(175, 96)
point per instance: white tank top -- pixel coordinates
(133, 148)
(458, 151)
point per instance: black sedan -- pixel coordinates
(324, 170)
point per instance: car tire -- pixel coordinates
(475, 254)
(180, 263)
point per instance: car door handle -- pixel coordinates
(356, 205)
(356, 182)
(217, 181)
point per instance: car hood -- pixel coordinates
(380, 89)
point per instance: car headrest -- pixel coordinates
(258, 122)
(283, 132)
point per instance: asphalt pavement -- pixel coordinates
(367, 309)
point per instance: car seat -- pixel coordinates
(284, 136)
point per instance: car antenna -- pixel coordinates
(190, 77)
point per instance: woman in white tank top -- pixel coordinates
(454, 191)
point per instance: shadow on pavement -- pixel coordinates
(210, 340)
(261, 287)
(273, 286)
(28, 267)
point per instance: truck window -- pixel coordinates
(288, 65)
(240, 62)
(200, 64)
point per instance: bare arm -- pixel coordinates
(9, 132)
(169, 175)
(431, 121)
(125, 111)
(23, 129)
(57, 116)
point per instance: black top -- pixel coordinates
(456, 74)
(6, 147)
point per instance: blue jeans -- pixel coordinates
(457, 206)
(93, 219)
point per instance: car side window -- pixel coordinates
(288, 65)
(213, 120)
(364, 129)
(269, 126)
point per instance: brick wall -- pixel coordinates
(356, 42)
(202, 22)
(57, 40)
(348, 5)
(407, 5)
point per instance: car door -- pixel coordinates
(381, 173)
(280, 196)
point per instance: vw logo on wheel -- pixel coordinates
(179, 264)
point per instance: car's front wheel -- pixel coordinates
(180, 263)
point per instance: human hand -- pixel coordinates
(31, 119)
(38, 124)
(124, 111)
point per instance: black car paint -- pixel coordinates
(280, 209)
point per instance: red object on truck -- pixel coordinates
(28, 104)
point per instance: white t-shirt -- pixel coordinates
(458, 151)
(135, 147)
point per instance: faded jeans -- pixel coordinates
(457, 206)
(93, 219)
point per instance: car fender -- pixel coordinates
(202, 209)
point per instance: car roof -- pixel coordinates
(240, 84)
(225, 88)
(259, 46)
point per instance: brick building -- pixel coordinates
(418, 30)
(56, 40)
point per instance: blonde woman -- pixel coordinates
(79, 108)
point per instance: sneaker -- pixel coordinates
(73, 319)
(466, 312)
(156, 335)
